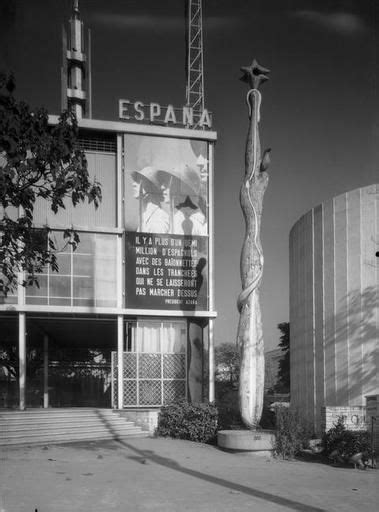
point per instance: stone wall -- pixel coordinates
(354, 417)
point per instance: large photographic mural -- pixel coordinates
(166, 219)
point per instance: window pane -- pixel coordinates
(36, 301)
(59, 302)
(64, 262)
(102, 167)
(34, 291)
(10, 299)
(83, 288)
(83, 265)
(105, 269)
(106, 303)
(148, 336)
(84, 302)
(60, 286)
(85, 244)
(174, 337)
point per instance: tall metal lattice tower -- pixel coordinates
(195, 72)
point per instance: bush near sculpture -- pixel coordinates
(229, 416)
(343, 443)
(194, 422)
(292, 433)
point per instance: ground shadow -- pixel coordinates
(148, 455)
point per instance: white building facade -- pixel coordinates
(334, 304)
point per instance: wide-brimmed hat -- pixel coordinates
(189, 176)
(149, 173)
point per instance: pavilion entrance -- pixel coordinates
(72, 361)
(68, 362)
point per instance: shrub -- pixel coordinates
(229, 417)
(227, 404)
(268, 416)
(345, 442)
(195, 422)
(291, 433)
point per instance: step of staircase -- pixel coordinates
(41, 426)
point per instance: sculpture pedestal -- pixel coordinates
(250, 441)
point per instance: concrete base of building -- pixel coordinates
(255, 441)
(146, 419)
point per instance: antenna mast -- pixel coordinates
(195, 75)
(76, 67)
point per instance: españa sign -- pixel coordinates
(166, 271)
(155, 113)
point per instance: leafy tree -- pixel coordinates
(227, 358)
(283, 384)
(36, 161)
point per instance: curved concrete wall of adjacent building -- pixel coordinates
(334, 303)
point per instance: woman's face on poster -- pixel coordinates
(136, 188)
(166, 188)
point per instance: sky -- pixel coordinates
(319, 113)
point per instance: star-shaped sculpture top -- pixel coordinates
(254, 75)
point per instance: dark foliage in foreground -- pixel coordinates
(194, 422)
(292, 433)
(345, 443)
(37, 161)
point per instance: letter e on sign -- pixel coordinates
(123, 109)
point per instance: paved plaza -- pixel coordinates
(167, 475)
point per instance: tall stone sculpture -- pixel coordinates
(250, 335)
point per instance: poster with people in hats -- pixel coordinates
(166, 216)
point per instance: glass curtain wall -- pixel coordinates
(87, 276)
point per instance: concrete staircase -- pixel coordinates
(49, 426)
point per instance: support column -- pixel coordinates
(120, 361)
(45, 371)
(211, 361)
(22, 359)
(211, 358)
(195, 366)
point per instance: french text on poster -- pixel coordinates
(166, 271)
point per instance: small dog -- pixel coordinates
(360, 460)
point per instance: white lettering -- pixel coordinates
(140, 115)
(142, 271)
(205, 119)
(155, 111)
(170, 115)
(188, 115)
(142, 261)
(123, 109)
